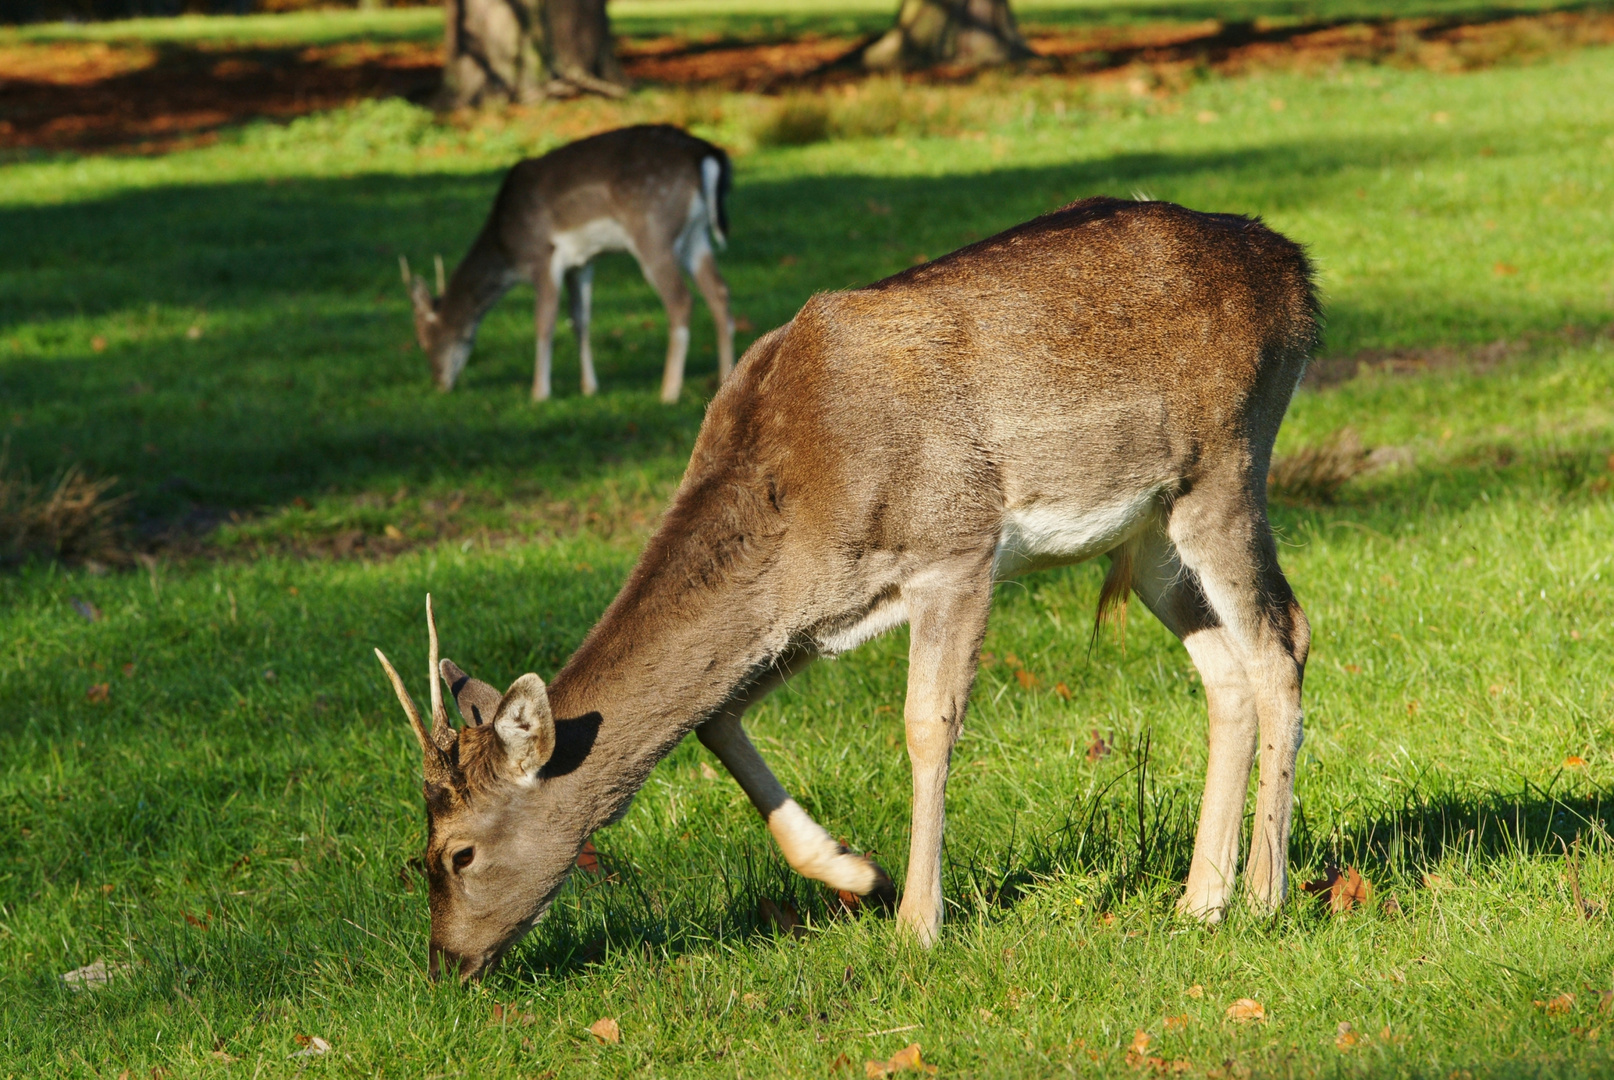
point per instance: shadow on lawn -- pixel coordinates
(305, 380)
(1129, 840)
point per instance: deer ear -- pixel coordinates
(525, 726)
(421, 297)
(477, 701)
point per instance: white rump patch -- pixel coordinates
(693, 242)
(1043, 535)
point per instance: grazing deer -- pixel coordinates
(1106, 379)
(653, 190)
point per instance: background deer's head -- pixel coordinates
(445, 344)
(492, 867)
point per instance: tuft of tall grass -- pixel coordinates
(77, 517)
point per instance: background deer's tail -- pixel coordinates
(717, 176)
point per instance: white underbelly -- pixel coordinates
(888, 614)
(578, 246)
(1053, 534)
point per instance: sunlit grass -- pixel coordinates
(232, 816)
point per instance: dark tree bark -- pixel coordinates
(521, 50)
(974, 33)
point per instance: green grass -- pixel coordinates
(248, 768)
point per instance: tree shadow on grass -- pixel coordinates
(300, 377)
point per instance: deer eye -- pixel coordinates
(462, 858)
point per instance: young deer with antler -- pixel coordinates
(653, 190)
(1107, 379)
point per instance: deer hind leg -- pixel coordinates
(1220, 533)
(546, 308)
(580, 292)
(716, 292)
(1173, 594)
(667, 278)
(947, 620)
(806, 845)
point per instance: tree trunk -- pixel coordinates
(974, 33)
(501, 51)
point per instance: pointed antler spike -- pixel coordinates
(437, 260)
(403, 268)
(408, 704)
(442, 730)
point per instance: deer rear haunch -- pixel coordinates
(652, 190)
(1105, 380)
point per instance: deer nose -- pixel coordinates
(442, 961)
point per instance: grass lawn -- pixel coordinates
(209, 788)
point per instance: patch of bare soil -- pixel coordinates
(94, 95)
(122, 95)
(1449, 44)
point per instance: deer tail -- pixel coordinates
(1116, 591)
(717, 176)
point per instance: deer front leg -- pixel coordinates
(546, 308)
(806, 845)
(947, 622)
(580, 291)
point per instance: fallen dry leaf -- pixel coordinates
(588, 860)
(1174, 1023)
(1062, 690)
(1346, 1036)
(606, 1030)
(1504, 269)
(841, 1062)
(98, 693)
(1195, 991)
(1574, 761)
(1561, 1005)
(908, 1059)
(1027, 679)
(1098, 748)
(1140, 1042)
(312, 1046)
(782, 917)
(707, 772)
(1343, 890)
(1245, 1010)
(203, 923)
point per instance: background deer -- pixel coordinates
(653, 190)
(1107, 379)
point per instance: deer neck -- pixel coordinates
(478, 282)
(696, 623)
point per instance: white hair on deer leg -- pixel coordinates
(812, 852)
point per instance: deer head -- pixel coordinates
(444, 344)
(491, 873)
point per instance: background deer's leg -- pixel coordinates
(1174, 595)
(1221, 534)
(546, 308)
(666, 276)
(809, 849)
(580, 291)
(947, 616)
(716, 292)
